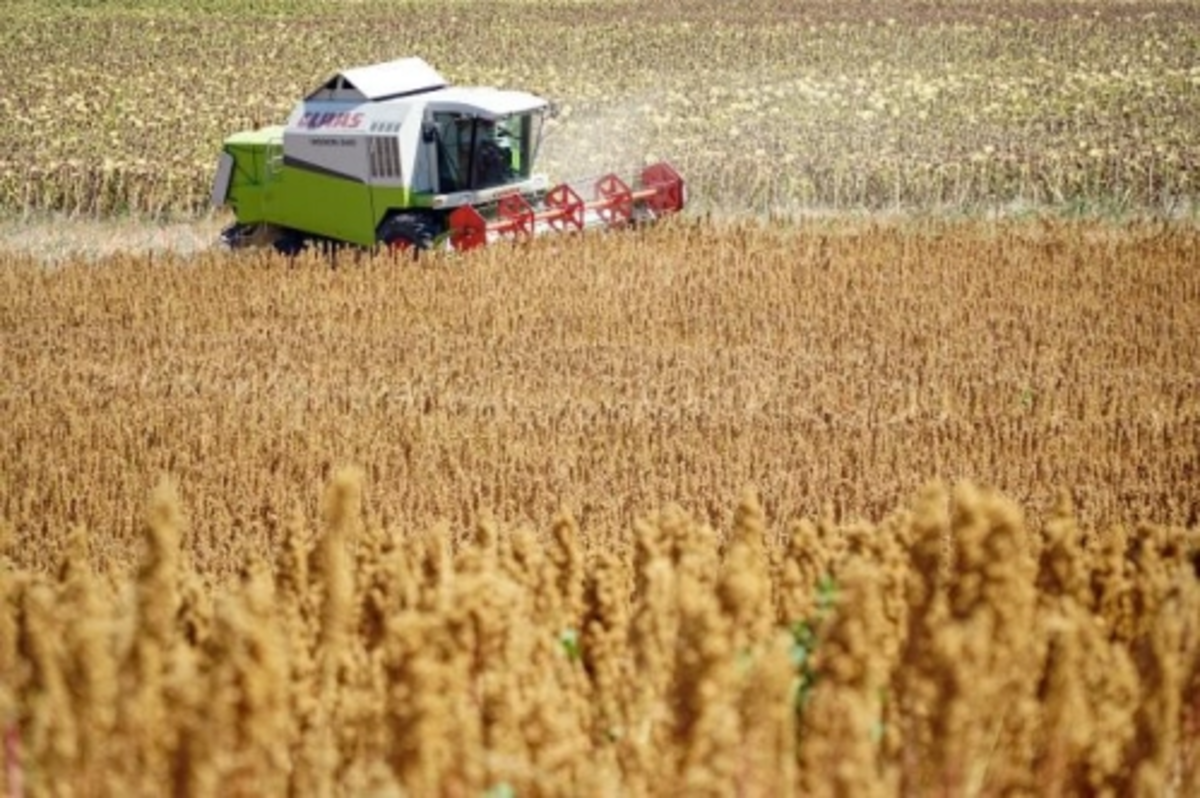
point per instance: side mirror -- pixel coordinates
(552, 111)
(428, 132)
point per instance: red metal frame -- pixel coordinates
(670, 195)
(567, 206)
(518, 213)
(468, 229)
(616, 207)
(660, 190)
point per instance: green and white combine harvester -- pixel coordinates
(392, 155)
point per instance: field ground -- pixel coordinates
(55, 238)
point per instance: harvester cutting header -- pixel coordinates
(392, 154)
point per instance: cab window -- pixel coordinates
(477, 153)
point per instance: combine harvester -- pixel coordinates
(392, 155)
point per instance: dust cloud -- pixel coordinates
(55, 239)
(582, 144)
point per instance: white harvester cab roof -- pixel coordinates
(408, 79)
(403, 77)
(485, 102)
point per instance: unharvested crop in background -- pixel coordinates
(765, 107)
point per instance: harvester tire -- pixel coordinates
(289, 244)
(408, 233)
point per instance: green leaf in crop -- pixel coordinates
(569, 640)
(501, 790)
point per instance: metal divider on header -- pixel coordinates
(614, 203)
(569, 208)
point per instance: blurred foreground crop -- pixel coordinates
(951, 648)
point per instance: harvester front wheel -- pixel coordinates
(289, 243)
(408, 233)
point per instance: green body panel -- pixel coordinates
(251, 150)
(265, 189)
(386, 198)
(320, 204)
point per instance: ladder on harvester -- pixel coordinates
(274, 156)
(272, 168)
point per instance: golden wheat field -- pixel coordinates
(704, 509)
(784, 497)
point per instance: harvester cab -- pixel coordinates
(392, 154)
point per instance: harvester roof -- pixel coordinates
(403, 77)
(405, 80)
(488, 102)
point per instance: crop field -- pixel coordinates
(874, 474)
(764, 105)
(635, 514)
